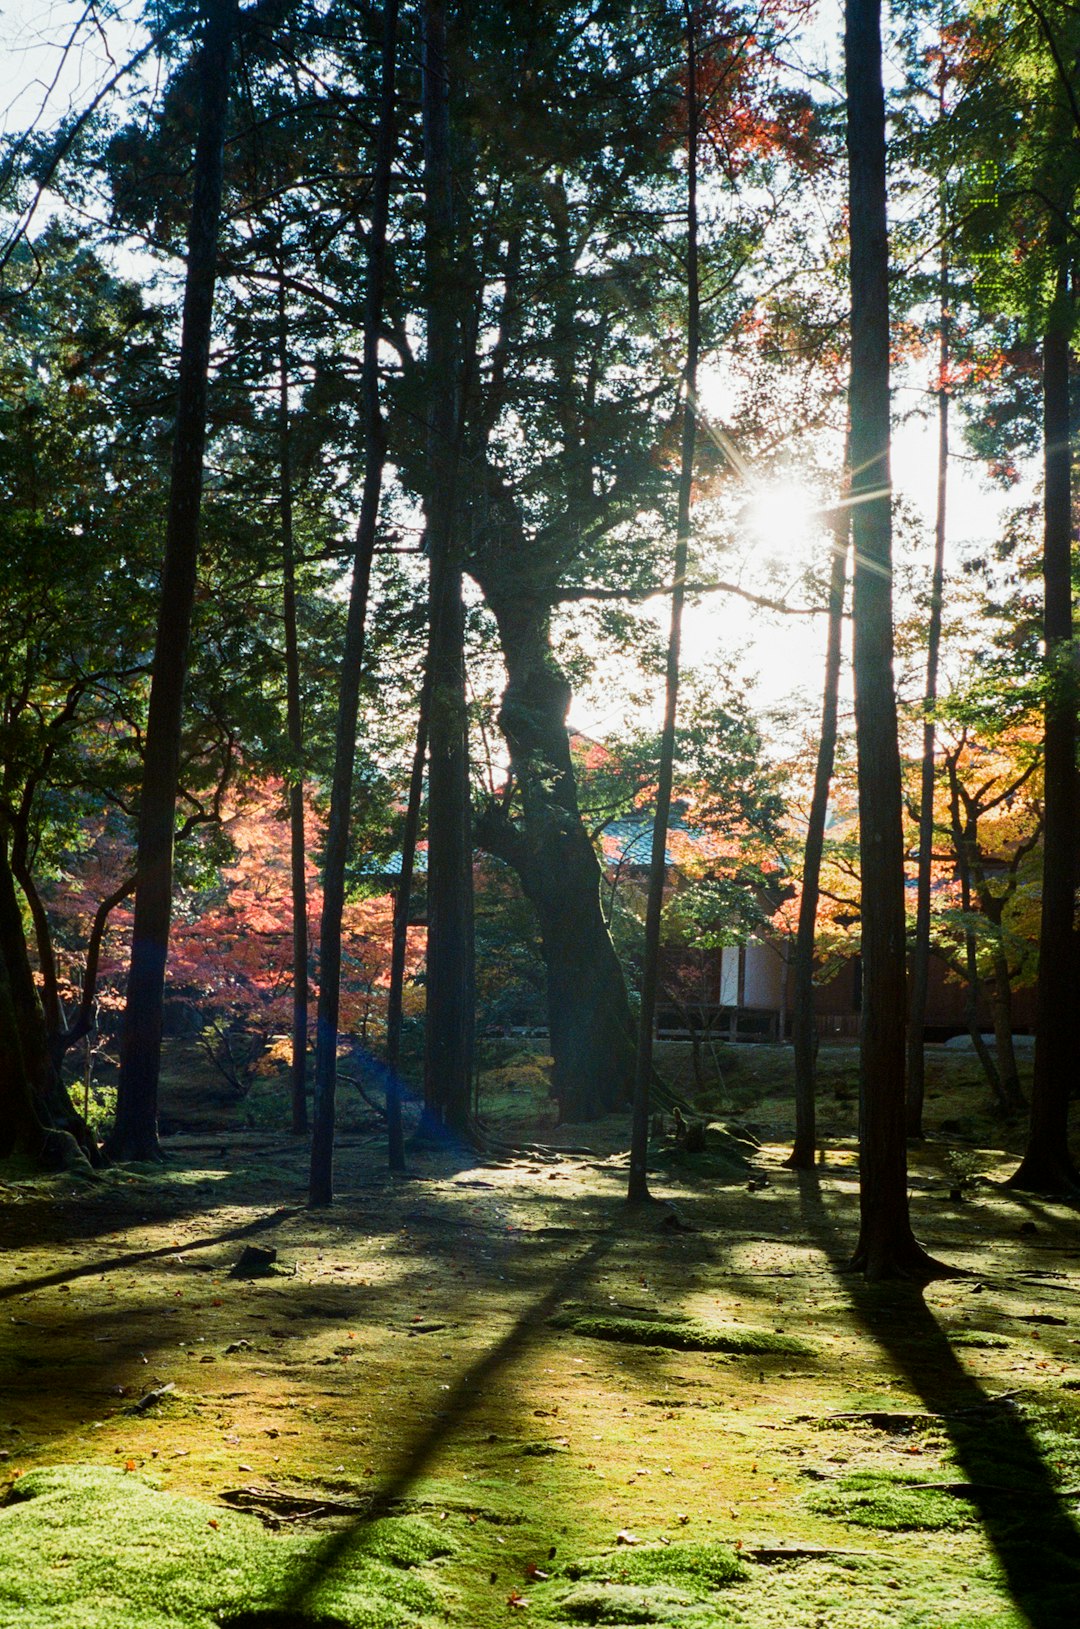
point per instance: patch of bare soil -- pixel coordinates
(423, 1345)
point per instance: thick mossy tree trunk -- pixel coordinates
(37, 1117)
(134, 1135)
(804, 1029)
(1047, 1166)
(591, 1026)
(886, 1246)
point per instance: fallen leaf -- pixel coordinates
(129, 1464)
(533, 1571)
(212, 1523)
(514, 1599)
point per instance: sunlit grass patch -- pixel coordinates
(699, 1568)
(893, 1502)
(651, 1584)
(109, 1551)
(681, 1335)
(976, 1340)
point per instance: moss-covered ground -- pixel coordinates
(487, 1392)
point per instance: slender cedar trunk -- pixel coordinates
(295, 727)
(22, 1047)
(449, 1024)
(920, 953)
(638, 1186)
(134, 1135)
(51, 1005)
(886, 1245)
(36, 1115)
(1001, 1011)
(993, 906)
(61, 1035)
(1047, 1166)
(20, 1127)
(321, 1187)
(399, 945)
(965, 838)
(803, 1027)
(85, 1019)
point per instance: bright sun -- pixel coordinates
(782, 517)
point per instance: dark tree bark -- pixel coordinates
(295, 728)
(134, 1135)
(61, 1033)
(1047, 1166)
(399, 945)
(804, 1031)
(886, 1245)
(449, 1023)
(965, 811)
(590, 1024)
(965, 843)
(321, 1188)
(638, 1186)
(36, 1114)
(920, 953)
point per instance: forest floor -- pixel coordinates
(488, 1392)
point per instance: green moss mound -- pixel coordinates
(976, 1341)
(654, 1584)
(681, 1335)
(620, 1604)
(892, 1502)
(698, 1568)
(110, 1551)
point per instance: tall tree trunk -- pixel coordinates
(804, 1031)
(886, 1245)
(1001, 1008)
(321, 1184)
(638, 1187)
(295, 727)
(920, 954)
(400, 941)
(964, 841)
(449, 1024)
(61, 1035)
(590, 1024)
(36, 1114)
(1047, 1166)
(134, 1135)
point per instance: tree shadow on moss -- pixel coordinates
(466, 1393)
(1011, 1488)
(127, 1260)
